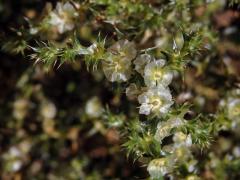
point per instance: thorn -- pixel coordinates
(59, 65)
(55, 62)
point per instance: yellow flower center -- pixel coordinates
(65, 16)
(119, 66)
(179, 152)
(157, 75)
(116, 63)
(235, 111)
(157, 103)
(159, 162)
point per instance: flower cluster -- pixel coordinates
(94, 107)
(175, 154)
(157, 99)
(16, 156)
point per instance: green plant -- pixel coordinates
(147, 50)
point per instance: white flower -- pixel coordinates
(164, 128)
(193, 177)
(132, 91)
(48, 110)
(155, 73)
(141, 62)
(12, 158)
(117, 69)
(231, 105)
(236, 151)
(234, 108)
(181, 154)
(117, 66)
(15, 152)
(62, 17)
(181, 139)
(124, 48)
(16, 165)
(157, 100)
(157, 168)
(191, 165)
(33, 31)
(20, 108)
(167, 149)
(94, 107)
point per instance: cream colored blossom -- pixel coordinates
(20, 108)
(132, 91)
(48, 110)
(124, 48)
(231, 105)
(117, 66)
(94, 107)
(156, 101)
(141, 62)
(155, 73)
(181, 139)
(164, 128)
(193, 177)
(191, 165)
(117, 69)
(62, 17)
(234, 108)
(181, 154)
(15, 157)
(157, 168)
(236, 151)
